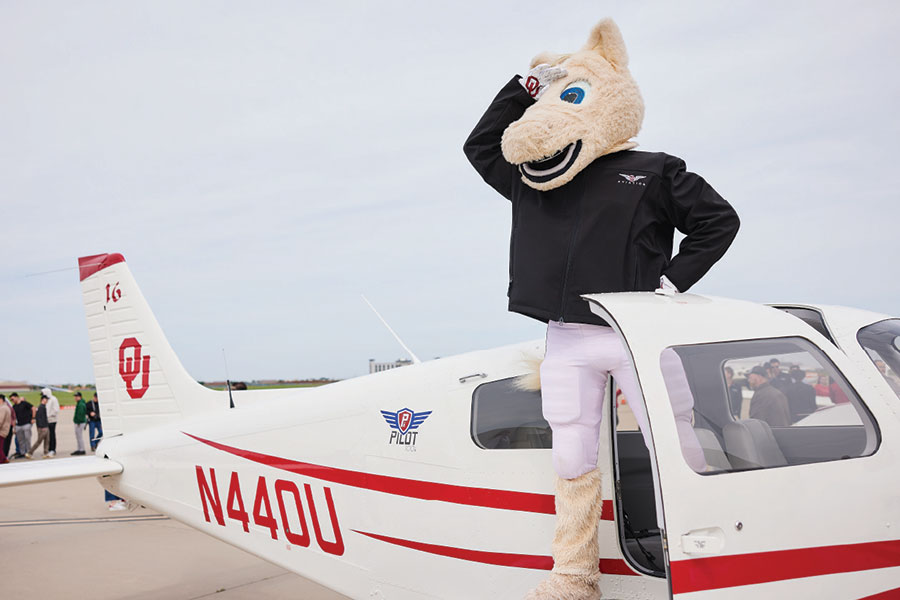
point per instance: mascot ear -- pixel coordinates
(606, 40)
(548, 58)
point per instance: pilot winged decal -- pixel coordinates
(403, 423)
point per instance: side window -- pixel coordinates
(765, 403)
(882, 343)
(507, 418)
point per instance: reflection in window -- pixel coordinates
(625, 420)
(882, 343)
(505, 417)
(767, 403)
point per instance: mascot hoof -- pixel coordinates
(567, 587)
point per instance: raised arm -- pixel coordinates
(482, 148)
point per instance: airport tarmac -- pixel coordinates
(59, 540)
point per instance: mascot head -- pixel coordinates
(594, 110)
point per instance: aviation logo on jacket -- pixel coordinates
(403, 424)
(633, 179)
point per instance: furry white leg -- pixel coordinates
(576, 551)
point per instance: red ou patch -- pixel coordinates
(132, 363)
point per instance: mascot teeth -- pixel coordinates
(555, 165)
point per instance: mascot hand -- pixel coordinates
(538, 78)
(666, 287)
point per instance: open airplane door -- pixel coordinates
(798, 497)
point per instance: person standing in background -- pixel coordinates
(768, 403)
(735, 392)
(5, 427)
(52, 416)
(11, 402)
(80, 420)
(801, 396)
(24, 415)
(836, 393)
(40, 420)
(95, 427)
(12, 427)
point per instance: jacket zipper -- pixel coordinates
(562, 305)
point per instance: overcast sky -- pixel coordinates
(262, 164)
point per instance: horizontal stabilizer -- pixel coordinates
(21, 472)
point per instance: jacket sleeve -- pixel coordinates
(482, 148)
(697, 211)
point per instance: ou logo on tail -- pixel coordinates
(132, 366)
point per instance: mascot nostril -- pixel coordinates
(590, 215)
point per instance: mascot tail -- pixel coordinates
(531, 380)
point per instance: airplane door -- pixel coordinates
(796, 493)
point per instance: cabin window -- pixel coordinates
(507, 418)
(764, 403)
(882, 343)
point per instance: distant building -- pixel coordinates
(377, 367)
(7, 387)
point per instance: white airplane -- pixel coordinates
(435, 480)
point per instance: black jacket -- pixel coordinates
(23, 412)
(92, 406)
(602, 231)
(40, 418)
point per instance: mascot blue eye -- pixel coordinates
(575, 93)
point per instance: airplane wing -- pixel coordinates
(20, 473)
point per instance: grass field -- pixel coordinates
(67, 398)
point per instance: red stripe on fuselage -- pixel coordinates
(893, 594)
(411, 488)
(610, 566)
(717, 572)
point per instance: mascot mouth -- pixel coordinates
(542, 171)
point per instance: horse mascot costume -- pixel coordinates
(589, 215)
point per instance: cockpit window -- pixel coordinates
(882, 343)
(765, 403)
(507, 418)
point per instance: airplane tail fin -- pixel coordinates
(140, 381)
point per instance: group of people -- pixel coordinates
(780, 398)
(18, 419)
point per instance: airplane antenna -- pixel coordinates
(227, 380)
(415, 358)
(48, 272)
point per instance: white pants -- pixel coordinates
(79, 435)
(574, 374)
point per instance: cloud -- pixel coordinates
(259, 168)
